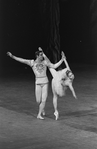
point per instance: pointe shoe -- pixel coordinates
(56, 115)
(40, 117)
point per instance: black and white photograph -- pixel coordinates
(48, 74)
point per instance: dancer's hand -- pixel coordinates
(40, 49)
(9, 54)
(63, 55)
(75, 97)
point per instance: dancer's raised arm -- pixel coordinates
(51, 65)
(65, 61)
(22, 60)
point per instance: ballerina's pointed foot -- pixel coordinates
(56, 115)
(40, 117)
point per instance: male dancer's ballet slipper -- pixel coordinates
(40, 117)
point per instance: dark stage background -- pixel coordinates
(25, 25)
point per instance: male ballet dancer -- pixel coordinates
(39, 67)
(61, 80)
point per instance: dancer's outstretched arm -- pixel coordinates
(65, 61)
(72, 90)
(22, 60)
(51, 65)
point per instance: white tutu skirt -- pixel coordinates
(57, 87)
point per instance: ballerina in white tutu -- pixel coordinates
(61, 80)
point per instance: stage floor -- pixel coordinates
(76, 127)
